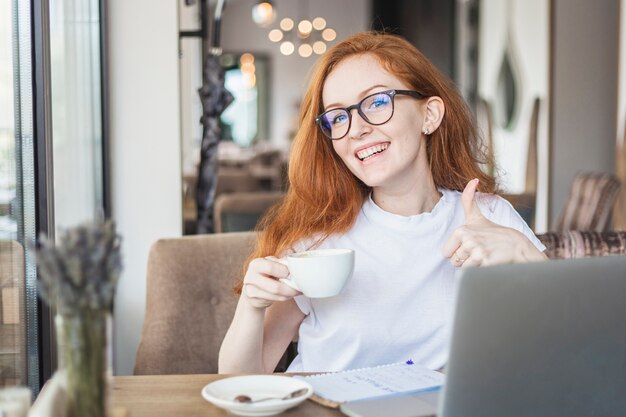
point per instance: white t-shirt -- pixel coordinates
(398, 304)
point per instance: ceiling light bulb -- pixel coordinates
(263, 13)
(305, 27)
(246, 58)
(329, 35)
(305, 50)
(319, 23)
(275, 35)
(319, 47)
(248, 68)
(286, 24)
(250, 80)
(286, 48)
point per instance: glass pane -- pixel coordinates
(19, 362)
(190, 65)
(76, 110)
(245, 120)
(240, 118)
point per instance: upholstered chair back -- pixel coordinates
(590, 203)
(581, 244)
(190, 301)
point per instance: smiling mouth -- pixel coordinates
(371, 151)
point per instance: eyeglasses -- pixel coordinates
(376, 109)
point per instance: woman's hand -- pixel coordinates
(261, 285)
(481, 242)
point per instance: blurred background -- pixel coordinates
(100, 115)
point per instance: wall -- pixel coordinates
(619, 211)
(522, 27)
(427, 24)
(145, 150)
(584, 92)
(289, 74)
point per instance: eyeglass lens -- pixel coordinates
(375, 109)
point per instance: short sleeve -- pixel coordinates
(500, 211)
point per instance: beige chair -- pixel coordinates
(590, 203)
(236, 212)
(190, 301)
(267, 166)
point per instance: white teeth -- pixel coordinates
(366, 153)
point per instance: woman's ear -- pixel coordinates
(434, 109)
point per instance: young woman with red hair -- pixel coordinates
(386, 162)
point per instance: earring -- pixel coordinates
(427, 131)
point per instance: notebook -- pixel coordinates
(538, 339)
(333, 389)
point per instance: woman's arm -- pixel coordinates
(282, 322)
(265, 321)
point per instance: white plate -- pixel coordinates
(221, 393)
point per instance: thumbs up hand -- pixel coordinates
(482, 242)
(473, 215)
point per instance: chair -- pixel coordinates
(590, 202)
(267, 166)
(236, 212)
(190, 302)
(619, 211)
(234, 180)
(581, 244)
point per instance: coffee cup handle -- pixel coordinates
(287, 280)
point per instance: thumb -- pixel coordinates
(468, 199)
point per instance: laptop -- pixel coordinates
(537, 339)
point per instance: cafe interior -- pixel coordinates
(175, 119)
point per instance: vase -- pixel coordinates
(83, 341)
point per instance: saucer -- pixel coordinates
(222, 392)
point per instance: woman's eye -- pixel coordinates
(379, 101)
(339, 119)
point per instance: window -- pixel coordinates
(51, 160)
(19, 356)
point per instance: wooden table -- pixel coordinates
(179, 395)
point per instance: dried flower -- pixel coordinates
(81, 271)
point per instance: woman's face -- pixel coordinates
(391, 156)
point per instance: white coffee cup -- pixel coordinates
(319, 273)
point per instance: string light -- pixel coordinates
(287, 48)
(307, 37)
(286, 24)
(248, 69)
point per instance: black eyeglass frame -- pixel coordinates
(357, 106)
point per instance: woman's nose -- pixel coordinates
(358, 126)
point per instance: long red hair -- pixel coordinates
(324, 197)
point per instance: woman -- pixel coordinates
(385, 148)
